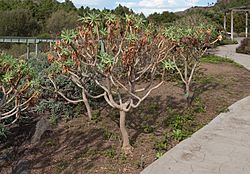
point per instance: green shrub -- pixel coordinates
(199, 106)
(44, 35)
(244, 47)
(178, 121)
(110, 153)
(159, 154)
(3, 132)
(49, 101)
(217, 60)
(179, 134)
(147, 128)
(61, 166)
(243, 34)
(227, 41)
(161, 145)
(19, 88)
(17, 50)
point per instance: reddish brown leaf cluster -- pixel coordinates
(189, 41)
(50, 58)
(129, 55)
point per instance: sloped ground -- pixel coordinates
(219, 147)
(81, 147)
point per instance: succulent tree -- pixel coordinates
(191, 44)
(123, 61)
(68, 62)
(17, 88)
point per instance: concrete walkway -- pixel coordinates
(221, 147)
(229, 52)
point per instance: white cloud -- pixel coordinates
(145, 6)
(147, 11)
(151, 3)
(192, 2)
(171, 2)
(85, 2)
(151, 6)
(128, 4)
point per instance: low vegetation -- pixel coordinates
(244, 47)
(218, 60)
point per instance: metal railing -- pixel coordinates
(27, 41)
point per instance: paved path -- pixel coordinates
(229, 52)
(221, 147)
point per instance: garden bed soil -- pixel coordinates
(83, 147)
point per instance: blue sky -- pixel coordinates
(145, 6)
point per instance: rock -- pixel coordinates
(1, 98)
(22, 167)
(41, 127)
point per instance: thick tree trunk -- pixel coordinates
(86, 103)
(125, 138)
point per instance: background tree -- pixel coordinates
(17, 22)
(68, 6)
(192, 36)
(162, 18)
(82, 11)
(44, 9)
(122, 11)
(4, 5)
(233, 3)
(61, 20)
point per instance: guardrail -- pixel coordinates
(27, 41)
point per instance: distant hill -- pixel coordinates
(216, 13)
(233, 3)
(224, 1)
(221, 4)
(193, 9)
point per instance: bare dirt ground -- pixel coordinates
(82, 147)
